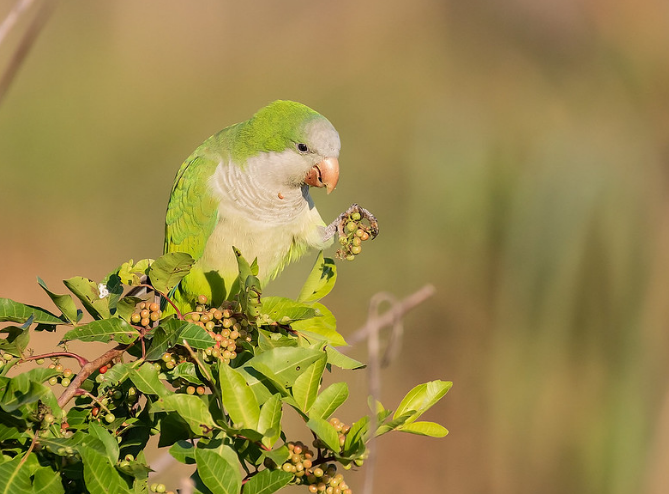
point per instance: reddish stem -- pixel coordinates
(82, 361)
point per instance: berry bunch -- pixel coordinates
(354, 233)
(65, 376)
(228, 326)
(146, 313)
(320, 478)
(160, 488)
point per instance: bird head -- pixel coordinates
(304, 145)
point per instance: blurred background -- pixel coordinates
(515, 153)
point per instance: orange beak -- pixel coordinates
(324, 174)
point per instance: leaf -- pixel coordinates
(329, 400)
(169, 269)
(88, 293)
(195, 336)
(430, 429)
(219, 470)
(238, 399)
(147, 381)
(183, 452)
(356, 437)
(267, 482)
(186, 371)
(245, 269)
(305, 388)
(104, 330)
(130, 273)
(286, 363)
(326, 432)
(63, 302)
(322, 327)
(174, 331)
(99, 474)
(13, 478)
(46, 481)
(338, 359)
(20, 313)
(421, 398)
(191, 409)
(17, 339)
(284, 310)
(320, 281)
(109, 442)
(270, 420)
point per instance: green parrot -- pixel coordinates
(248, 187)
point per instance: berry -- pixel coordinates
(154, 307)
(65, 382)
(190, 390)
(109, 418)
(135, 318)
(57, 368)
(351, 226)
(202, 299)
(53, 381)
(355, 216)
(39, 361)
(103, 369)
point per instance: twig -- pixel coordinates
(375, 323)
(38, 22)
(87, 370)
(82, 361)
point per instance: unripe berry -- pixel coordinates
(39, 361)
(154, 316)
(209, 326)
(202, 299)
(53, 381)
(145, 322)
(135, 318)
(356, 249)
(287, 467)
(48, 418)
(154, 307)
(109, 418)
(58, 368)
(141, 305)
(318, 472)
(313, 489)
(351, 226)
(67, 372)
(144, 314)
(65, 382)
(355, 216)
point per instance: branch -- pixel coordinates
(87, 370)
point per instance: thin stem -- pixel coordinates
(82, 361)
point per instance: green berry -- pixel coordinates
(65, 382)
(109, 418)
(48, 418)
(135, 318)
(355, 216)
(39, 361)
(53, 381)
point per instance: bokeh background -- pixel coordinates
(515, 153)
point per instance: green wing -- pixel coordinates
(192, 212)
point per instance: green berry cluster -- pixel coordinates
(4, 358)
(146, 313)
(64, 377)
(321, 478)
(355, 232)
(159, 488)
(227, 325)
(114, 400)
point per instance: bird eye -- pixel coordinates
(302, 148)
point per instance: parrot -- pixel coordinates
(247, 188)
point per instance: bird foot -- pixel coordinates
(353, 231)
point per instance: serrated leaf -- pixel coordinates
(191, 409)
(305, 388)
(423, 428)
(329, 400)
(88, 293)
(219, 470)
(270, 420)
(238, 399)
(326, 432)
(267, 482)
(20, 313)
(147, 381)
(320, 281)
(284, 310)
(63, 302)
(323, 327)
(421, 398)
(169, 269)
(338, 359)
(104, 330)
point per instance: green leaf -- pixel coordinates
(183, 452)
(269, 421)
(192, 409)
(99, 473)
(88, 292)
(17, 339)
(326, 432)
(131, 273)
(286, 363)
(329, 400)
(18, 312)
(46, 481)
(238, 399)
(169, 269)
(323, 327)
(173, 332)
(393, 424)
(338, 359)
(320, 281)
(195, 336)
(245, 269)
(267, 482)
(219, 470)
(186, 371)
(147, 381)
(105, 437)
(430, 429)
(13, 478)
(305, 388)
(284, 310)
(421, 398)
(104, 330)
(356, 437)
(63, 302)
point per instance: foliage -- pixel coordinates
(212, 385)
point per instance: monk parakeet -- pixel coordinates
(248, 187)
